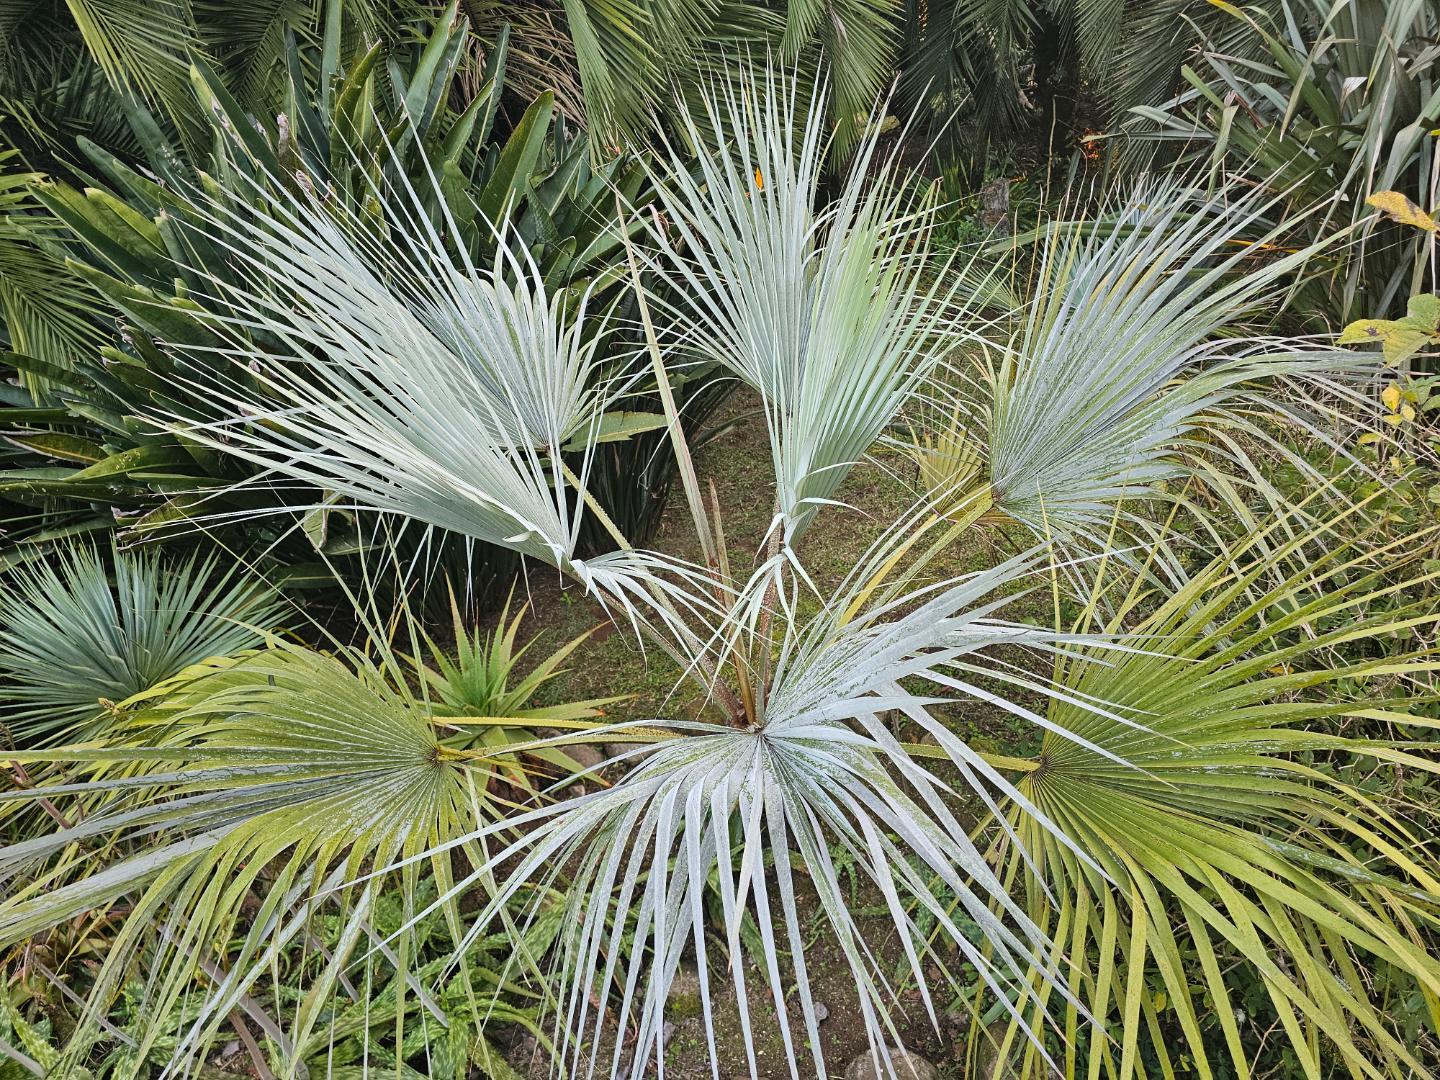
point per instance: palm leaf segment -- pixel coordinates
(286, 760)
(1216, 839)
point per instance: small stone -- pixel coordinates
(904, 1065)
(822, 1012)
(583, 754)
(667, 1032)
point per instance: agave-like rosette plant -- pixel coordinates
(82, 631)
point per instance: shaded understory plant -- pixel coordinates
(89, 627)
(462, 394)
(1339, 105)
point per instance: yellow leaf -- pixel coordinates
(1403, 343)
(1390, 397)
(1369, 438)
(1407, 411)
(1363, 330)
(1394, 419)
(1398, 340)
(759, 180)
(1401, 209)
(1159, 1000)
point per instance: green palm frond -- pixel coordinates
(1225, 826)
(253, 795)
(45, 310)
(967, 53)
(80, 633)
(248, 42)
(856, 44)
(144, 47)
(1132, 364)
(834, 316)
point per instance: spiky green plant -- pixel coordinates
(484, 701)
(82, 631)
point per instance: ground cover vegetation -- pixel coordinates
(702, 538)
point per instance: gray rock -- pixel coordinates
(904, 1065)
(586, 755)
(630, 754)
(822, 1012)
(987, 1055)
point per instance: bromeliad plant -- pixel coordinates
(454, 393)
(484, 701)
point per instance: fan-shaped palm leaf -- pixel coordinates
(1131, 366)
(400, 381)
(1218, 839)
(819, 771)
(833, 315)
(857, 44)
(231, 809)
